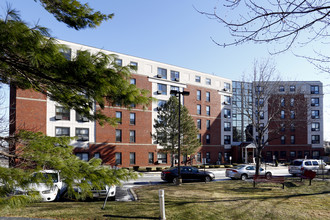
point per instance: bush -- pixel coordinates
(211, 166)
(228, 166)
(136, 168)
(222, 166)
(148, 169)
(158, 169)
(216, 166)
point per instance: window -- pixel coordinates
(199, 137)
(82, 156)
(62, 113)
(132, 158)
(226, 87)
(162, 158)
(208, 81)
(283, 154)
(292, 127)
(199, 110)
(293, 154)
(162, 89)
(132, 81)
(259, 101)
(227, 126)
(227, 113)
(118, 158)
(134, 65)
(315, 90)
(292, 88)
(151, 157)
(62, 131)
(208, 110)
(315, 102)
(315, 114)
(82, 134)
(219, 157)
(300, 155)
(208, 124)
(132, 118)
(292, 114)
(315, 126)
(132, 136)
(282, 127)
(81, 118)
(260, 115)
(227, 139)
(175, 88)
(208, 139)
(227, 100)
(66, 52)
(292, 102)
(281, 89)
(119, 117)
(118, 135)
(175, 75)
(162, 73)
(208, 97)
(315, 139)
(282, 102)
(208, 157)
(282, 139)
(197, 79)
(199, 95)
(199, 157)
(199, 124)
(292, 139)
(119, 62)
(316, 155)
(282, 114)
(259, 89)
(97, 155)
(161, 103)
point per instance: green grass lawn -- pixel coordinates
(214, 200)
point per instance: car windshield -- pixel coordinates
(52, 176)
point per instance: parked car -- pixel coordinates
(298, 166)
(245, 171)
(111, 190)
(48, 193)
(187, 173)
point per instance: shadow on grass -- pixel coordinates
(132, 217)
(175, 203)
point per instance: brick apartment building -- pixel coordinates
(210, 103)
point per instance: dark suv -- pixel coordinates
(187, 173)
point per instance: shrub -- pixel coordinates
(136, 168)
(148, 169)
(158, 169)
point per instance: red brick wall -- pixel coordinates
(28, 110)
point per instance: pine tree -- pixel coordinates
(166, 126)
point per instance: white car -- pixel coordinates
(103, 193)
(47, 193)
(298, 166)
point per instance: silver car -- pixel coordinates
(245, 171)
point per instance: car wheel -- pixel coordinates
(233, 178)
(244, 177)
(268, 175)
(207, 179)
(57, 195)
(175, 181)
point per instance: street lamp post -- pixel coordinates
(178, 93)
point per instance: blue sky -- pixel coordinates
(174, 32)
